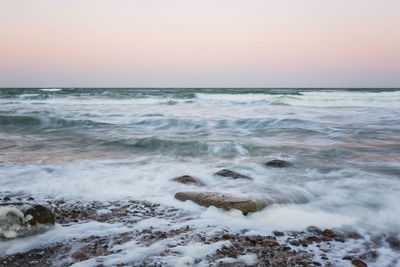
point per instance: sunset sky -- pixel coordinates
(200, 43)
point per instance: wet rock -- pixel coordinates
(340, 239)
(40, 214)
(326, 239)
(20, 219)
(314, 239)
(228, 236)
(187, 179)
(359, 263)
(295, 243)
(277, 233)
(393, 242)
(277, 163)
(313, 229)
(328, 232)
(81, 256)
(231, 174)
(6, 199)
(354, 235)
(219, 200)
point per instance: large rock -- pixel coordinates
(219, 200)
(277, 163)
(231, 174)
(20, 219)
(187, 179)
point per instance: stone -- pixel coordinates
(80, 256)
(228, 236)
(231, 174)
(295, 243)
(314, 239)
(187, 179)
(359, 263)
(277, 163)
(313, 229)
(6, 199)
(277, 233)
(40, 214)
(219, 200)
(393, 242)
(326, 239)
(328, 232)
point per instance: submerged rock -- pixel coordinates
(359, 263)
(232, 174)
(19, 219)
(277, 163)
(187, 179)
(219, 200)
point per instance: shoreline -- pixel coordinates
(177, 242)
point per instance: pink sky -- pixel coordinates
(185, 43)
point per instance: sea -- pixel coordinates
(113, 144)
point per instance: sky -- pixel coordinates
(199, 43)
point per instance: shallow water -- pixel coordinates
(113, 144)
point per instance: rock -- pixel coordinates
(6, 199)
(228, 236)
(81, 256)
(393, 242)
(231, 174)
(354, 235)
(326, 239)
(20, 219)
(277, 233)
(219, 200)
(339, 239)
(328, 232)
(187, 179)
(295, 243)
(314, 239)
(277, 163)
(313, 229)
(359, 263)
(40, 214)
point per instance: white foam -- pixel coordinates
(315, 98)
(191, 252)
(233, 97)
(59, 234)
(51, 89)
(10, 221)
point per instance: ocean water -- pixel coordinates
(118, 144)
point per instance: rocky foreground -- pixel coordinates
(155, 246)
(312, 247)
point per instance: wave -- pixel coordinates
(389, 99)
(32, 122)
(151, 124)
(51, 89)
(180, 148)
(301, 98)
